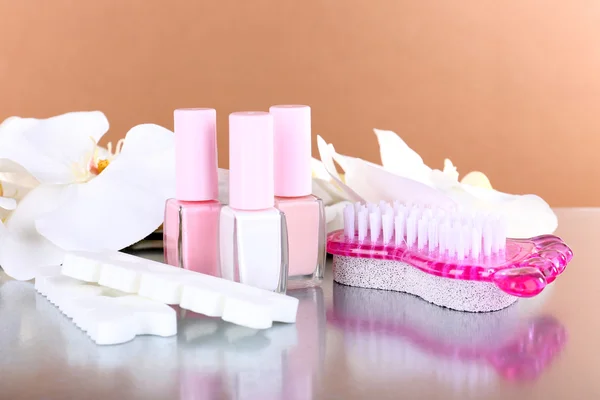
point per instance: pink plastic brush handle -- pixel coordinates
(524, 270)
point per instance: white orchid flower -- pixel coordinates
(86, 198)
(7, 204)
(405, 177)
(331, 192)
(15, 181)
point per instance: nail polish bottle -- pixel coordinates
(253, 236)
(192, 219)
(304, 213)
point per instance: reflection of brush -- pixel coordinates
(449, 258)
(398, 331)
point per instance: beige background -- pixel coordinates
(511, 88)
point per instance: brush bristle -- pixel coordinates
(454, 234)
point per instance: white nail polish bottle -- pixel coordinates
(253, 234)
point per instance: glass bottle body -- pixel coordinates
(305, 218)
(191, 235)
(254, 248)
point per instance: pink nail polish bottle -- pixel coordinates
(191, 227)
(305, 213)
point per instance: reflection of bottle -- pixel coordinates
(192, 218)
(305, 214)
(280, 363)
(305, 361)
(252, 232)
(287, 369)
(196, 385)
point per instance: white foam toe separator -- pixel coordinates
(106, 315)
(203, 294)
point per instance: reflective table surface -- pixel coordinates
(348, 343)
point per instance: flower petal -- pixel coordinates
(223, 185)
(50, 148)
(7, 203)
(102, 153)
(374, 183)
(450, 170)
(477, 179)
(334, 216)
(323, 185)
(400, 159)
(326, 158)
(318, 169)
(443, 181)
(326, 153)
(12, 126)
(327, 191)
(23, 251)
(527, 215)
(125, 203)
(15, 174)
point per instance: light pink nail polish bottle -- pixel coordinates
(191, 227)
(305, 214)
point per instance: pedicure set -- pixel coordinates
(237, 260)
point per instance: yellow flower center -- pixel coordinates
(96, 161)
(477, 179)
(1, 190)
(102, 164)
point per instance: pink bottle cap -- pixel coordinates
(292, 140)
(251, 161)
(196, 154)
